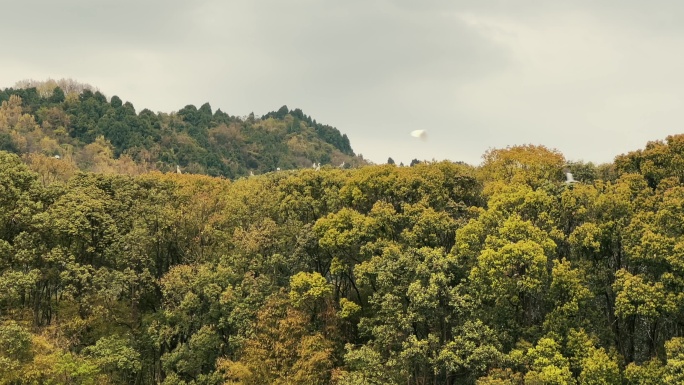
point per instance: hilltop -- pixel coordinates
(88, 131)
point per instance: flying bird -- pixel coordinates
(569, 179)
(421, 134)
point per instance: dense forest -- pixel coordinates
(90, 132)
(440, 273)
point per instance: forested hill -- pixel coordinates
(41, 120)
(440, 273)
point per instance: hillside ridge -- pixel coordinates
(78, 124)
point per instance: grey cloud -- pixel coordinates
(99, 24)
(474, 73)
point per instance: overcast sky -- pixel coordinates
(592, 79)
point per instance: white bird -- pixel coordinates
(318, 167)
(314, 165)
(277, 168)
(178, 170)
(421, 134)
(342, 165)
(251, 173)
(57, 157)
(569, 179)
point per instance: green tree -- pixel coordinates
(600, 369)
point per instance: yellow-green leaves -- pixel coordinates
(638, 297)
(547, 365)
(674, 370)
(600, 369)
(115, 355)
(348, 309)
(307, 289)
(651, 372)
(15, 350)
(474, 349)
(570, 296)
(513, 262)
(530, 165)
(659, 160)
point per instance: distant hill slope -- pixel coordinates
(74, 122)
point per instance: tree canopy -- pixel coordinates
(440, 273)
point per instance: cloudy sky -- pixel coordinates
(592, 79)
